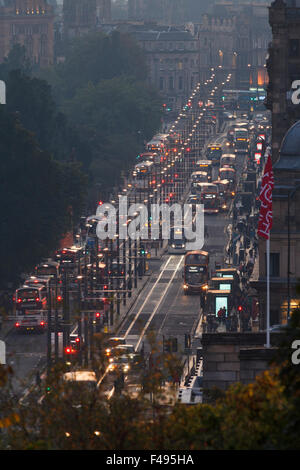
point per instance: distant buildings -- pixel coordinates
(172, 57)
(167, 12)
(31, 24)
(235, 37)
(82, 16)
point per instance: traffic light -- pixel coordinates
(68, 350)
(240, 308)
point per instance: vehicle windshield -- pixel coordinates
(227, 175)
(195, 258)
(28, 294)
(241, 134)
(46, 271)
(195, 274)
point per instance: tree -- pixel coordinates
(36, 195)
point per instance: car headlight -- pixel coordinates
(173, 246)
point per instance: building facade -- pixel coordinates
(235, 37)
(172, 58)
(82, 16)
(31, 24)
(283, 67)
(168, 12)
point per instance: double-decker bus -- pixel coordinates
(50, 268)
(228, 159)
(229, 174)
(223, 186)
(69, 258)
(154, 157)
(54, 290)
(241, 140)
(195, 272)
(211, 202)
(205, 166)
(141, 176)
(214, 153)
(31, 307)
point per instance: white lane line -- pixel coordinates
(158, 304)
(147, 298)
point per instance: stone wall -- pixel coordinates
(234, 357)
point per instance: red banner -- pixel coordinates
(266, 215)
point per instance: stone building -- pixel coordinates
(285, 235)
(235, 37)
(169, 12)
(31, 24)
(82, 16)
(172, 57)
(283, 67)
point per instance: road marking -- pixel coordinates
(146, 299)
(158, 304)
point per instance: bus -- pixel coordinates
(31, 307)
(50, 268)
(229, 174)
(195, 272)
(177, 241)
(141, 176)
(223, 186)
(241, 140)
(69, 258)
(199, 177)
(205, 166)
(214, 153)
(153, 157)
(228, 159)
(211, 202)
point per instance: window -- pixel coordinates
(293, 47)
(274, 264)
(171, 83)
(180, 84)
(161, 83)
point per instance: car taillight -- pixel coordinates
(17, 325)
(37, 299)
(19, 301)
(42, 323)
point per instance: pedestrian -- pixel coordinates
(220, 315)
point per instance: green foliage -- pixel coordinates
(36, 194)
(101, 89)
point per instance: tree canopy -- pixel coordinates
(36, 195)
(263, 415)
